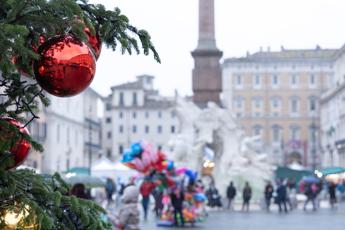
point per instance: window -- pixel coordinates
(134, 115)
(120, 115)
(312, 80)
(108, 135)
(108, 153)
(108, 106)
(294, 133)
(159, 129)
(147, 129)
(173, 114)
(121, 99)
(257, 102)
(159, 114)
(275, 133)
(312, 104)
(172, 129)
(108, 120)
(134, 129)
(239, 114)
(238, 102)
(294, 80)
(238, 80)
(135, 99)
(294, 105)
(257, 81)
(275, 102)
(120, 149)
(121, 129)
(275, 80)
(147, 114)
(257, 130)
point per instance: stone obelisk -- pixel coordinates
(207, 74)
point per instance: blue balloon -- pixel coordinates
(136, 149)
(127, 157)
(200, 197)
(170, 165)
(191, 174)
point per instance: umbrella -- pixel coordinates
(310, 179)
(88, 181)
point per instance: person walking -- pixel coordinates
(246, 195)
(177, 198)
(230, 194)
(110, 189)
(268, 195)
(332, 196)
(145, 190)
(281, 196)
(158, 196)
(311, 195)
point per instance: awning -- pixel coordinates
(333, 170)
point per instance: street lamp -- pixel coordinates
(313, 148)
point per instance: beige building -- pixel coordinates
(276, 95)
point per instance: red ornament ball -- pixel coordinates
(21, 148)
(94, 42)
(66, 67)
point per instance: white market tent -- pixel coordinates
(107, 169)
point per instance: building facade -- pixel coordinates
(134, 111)
(276, 95)
(333, 117)
(69, 130)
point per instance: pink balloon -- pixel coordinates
(145, 158)
(181, 170)
(139, 164)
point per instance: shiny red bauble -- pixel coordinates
(66, 67)
(94, 41)
(21, 148)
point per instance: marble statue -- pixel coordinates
(235, 155)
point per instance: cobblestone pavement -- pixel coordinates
(324, 219)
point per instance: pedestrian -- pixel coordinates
(158, 196)
(128, 215)
(110, 188)
(145, 190)
(177, 198)
(332, 196)
(309, 191)
(230, 194)
(246, 195)
(79, 191)
(214, 199)
(282, 196)
(268, 195)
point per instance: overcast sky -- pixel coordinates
(241, 26)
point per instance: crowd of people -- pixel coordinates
(284, 194)
(173, 201)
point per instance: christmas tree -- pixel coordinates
(33, 33)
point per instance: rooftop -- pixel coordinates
(286, 55)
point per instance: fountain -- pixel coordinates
(234, 157)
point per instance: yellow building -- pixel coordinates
(276, 95)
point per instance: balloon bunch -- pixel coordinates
(144, 157)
